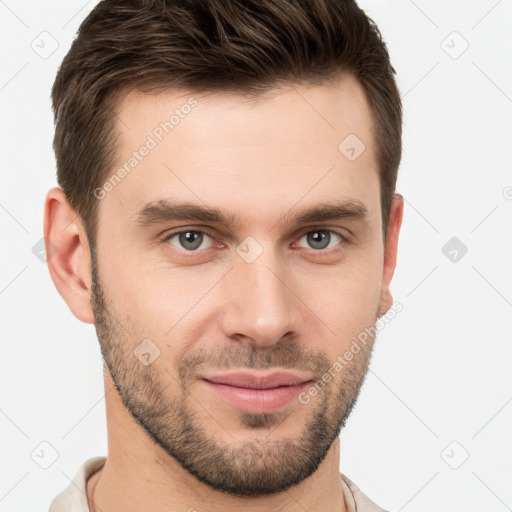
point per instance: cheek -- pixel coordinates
(348, 302)
(151, 299)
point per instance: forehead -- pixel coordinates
(296, 143)
(311, 112)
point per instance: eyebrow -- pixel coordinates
(166, 210)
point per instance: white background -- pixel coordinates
(441, 370)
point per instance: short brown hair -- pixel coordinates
(244, 46)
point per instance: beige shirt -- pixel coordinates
(74, 498)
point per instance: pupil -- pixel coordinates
(190, 239)
(319, 239)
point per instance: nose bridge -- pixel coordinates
(261, 306)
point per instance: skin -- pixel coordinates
(296, 306)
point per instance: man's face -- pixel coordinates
(258, 292)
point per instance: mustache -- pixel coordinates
(289, 354)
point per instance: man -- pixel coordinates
(227, 219)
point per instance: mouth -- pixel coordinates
(257, 392)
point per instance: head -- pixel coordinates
(227, 202)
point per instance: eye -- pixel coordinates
(321, 239)
(190, 240)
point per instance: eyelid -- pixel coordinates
(168, 235)
(344, 239)
(337, 230)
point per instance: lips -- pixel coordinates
(257, 392)
(253, 380)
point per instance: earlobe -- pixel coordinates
(68, 255)
(390, 252)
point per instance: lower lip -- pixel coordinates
(257, 400)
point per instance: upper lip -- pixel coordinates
(259, 380)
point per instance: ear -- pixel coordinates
(390, 252)
(67, 254)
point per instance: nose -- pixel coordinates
(262, 308)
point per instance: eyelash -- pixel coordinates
(343, 240)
